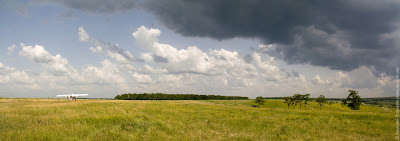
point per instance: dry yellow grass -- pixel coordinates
(58, 119)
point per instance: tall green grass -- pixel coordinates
(58, 119)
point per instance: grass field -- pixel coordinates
(58, 119)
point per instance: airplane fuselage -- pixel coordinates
(72, 96)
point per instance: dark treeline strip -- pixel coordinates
(373, 101)
(161, 96)
(388, 101)
(274, 97)
(340, 99)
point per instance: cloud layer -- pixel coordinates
(102, 7)
(317, 47)
(56, 65)
(188, 70)
(340, 35)
(106, 48)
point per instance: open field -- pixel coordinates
(86, 119)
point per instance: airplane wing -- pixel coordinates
(80, 94)
(62, 95)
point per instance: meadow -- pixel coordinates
(87, 119)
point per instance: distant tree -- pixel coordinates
(117, 97)
(260, 101)
(160, 96)
(305, 98)
(296, 100)
(321, 100)
(289, 101)
(344, 102)
(355, 100)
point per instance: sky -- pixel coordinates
(235, 48)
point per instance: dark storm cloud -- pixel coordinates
(339, 34)
(93, 6)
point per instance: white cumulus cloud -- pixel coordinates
(155, 70)
(107, 48)
(9, 75)
(268, 68)
(141, 78)
(317, 80)
(108, 73)
(191, 59)
(83, 35)
(56, 65)
(11, 48)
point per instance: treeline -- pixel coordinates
(381, 101)
(353, 101)
(297, 99)
(161, 96)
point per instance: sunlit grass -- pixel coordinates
(58, 119)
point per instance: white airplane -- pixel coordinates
(72, 96)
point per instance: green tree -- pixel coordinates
(289, 101)
(260, 101)
(321, 100)
(117, 97)
(296, 100)
(306, 97)
(344, 102)
(355, 100)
